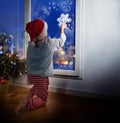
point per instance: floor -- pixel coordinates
(60, 108)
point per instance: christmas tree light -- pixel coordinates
(11, 65)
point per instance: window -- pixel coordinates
(12, 22)
(68, 60)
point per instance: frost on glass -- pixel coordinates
(56, 12)
(63, 19)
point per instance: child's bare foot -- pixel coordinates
(35, 96)
(21, 107)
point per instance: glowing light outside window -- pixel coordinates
(56, 12)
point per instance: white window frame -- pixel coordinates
(78, 72)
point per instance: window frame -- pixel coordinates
(79, 17)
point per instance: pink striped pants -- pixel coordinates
(40, 89)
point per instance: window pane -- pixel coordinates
(12, 21)
(54, 12)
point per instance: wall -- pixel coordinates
(101, 50)
(101, 69)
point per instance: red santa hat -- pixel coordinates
(36, 29)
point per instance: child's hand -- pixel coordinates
(63, 26)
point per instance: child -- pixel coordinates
(39, 63)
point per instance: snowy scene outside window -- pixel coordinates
(67, 60)
(56, 12)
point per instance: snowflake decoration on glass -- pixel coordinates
(64, 18)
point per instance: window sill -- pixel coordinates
(67, 77)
